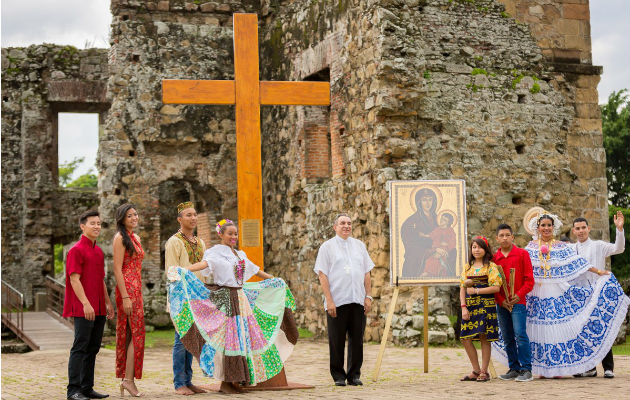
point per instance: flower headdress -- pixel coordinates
(221, 223)
(533, 217)
(484, 239)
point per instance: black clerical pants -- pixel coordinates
(350, 321)
(608, 362)
(87, 343)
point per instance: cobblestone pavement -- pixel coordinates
(43, 375)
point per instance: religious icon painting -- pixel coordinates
(427, 231)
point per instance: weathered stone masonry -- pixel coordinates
(501, 94)
(37, 83)
(430, 90)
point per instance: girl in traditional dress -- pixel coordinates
(479, 281)
(241, 333)
(128, 255)
(571, 321)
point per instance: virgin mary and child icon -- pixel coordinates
(428, 237)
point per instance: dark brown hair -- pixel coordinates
(545, 216)
(580, 219)
(84, 217)
(121, 214)
(481, 243)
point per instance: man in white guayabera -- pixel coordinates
(343, 266)
(596, 251)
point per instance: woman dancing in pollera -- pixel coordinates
(240, 332)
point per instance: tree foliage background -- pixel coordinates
(616, 129)
(87, 180)
(66, 170)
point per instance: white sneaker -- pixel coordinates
(609, 374)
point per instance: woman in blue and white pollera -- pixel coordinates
(571, 322)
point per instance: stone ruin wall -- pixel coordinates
(37, 83)
(420, 90)
(429, 90)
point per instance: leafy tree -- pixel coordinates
(84, 181)
(66, 170)
(58, 255)
(616, 129)
(620, 264)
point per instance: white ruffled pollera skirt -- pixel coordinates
(571, 325)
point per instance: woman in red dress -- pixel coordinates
(128, 256)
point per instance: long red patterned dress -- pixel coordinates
(132, 265)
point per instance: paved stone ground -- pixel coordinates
(43, 374)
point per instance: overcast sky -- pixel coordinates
(81, 22)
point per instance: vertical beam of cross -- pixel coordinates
(247, 93)
(248, 151)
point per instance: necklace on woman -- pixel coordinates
(239, 269)
(544, 254)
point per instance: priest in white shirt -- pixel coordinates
(343, 266)
(596, 251)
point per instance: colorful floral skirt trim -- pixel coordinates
(237, 334)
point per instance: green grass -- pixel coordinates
(156, 338)
(622, 349)
(165, 338)
(305, 333)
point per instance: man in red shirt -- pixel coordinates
(87, 301)
(512, 312)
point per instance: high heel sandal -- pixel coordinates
(123, 387)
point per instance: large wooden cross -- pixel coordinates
(247, 92)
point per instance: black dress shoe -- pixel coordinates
(78, 396)
(340, 382)
(92, 394)
(355, 382)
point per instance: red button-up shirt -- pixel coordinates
(86, 259)
(524, 273)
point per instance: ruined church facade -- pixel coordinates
(502, 94)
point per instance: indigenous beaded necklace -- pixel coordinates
(544, 257)
(239, 270)
(192, 241)
(193, 247)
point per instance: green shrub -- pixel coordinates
(620, 264)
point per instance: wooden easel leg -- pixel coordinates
(388, 322)
(425, 329)
(493, 372)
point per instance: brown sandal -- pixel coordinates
(469, 378)
(483, 377)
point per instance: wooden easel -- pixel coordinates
(388, 322)
(425, 333)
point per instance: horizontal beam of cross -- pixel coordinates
(176, 91)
